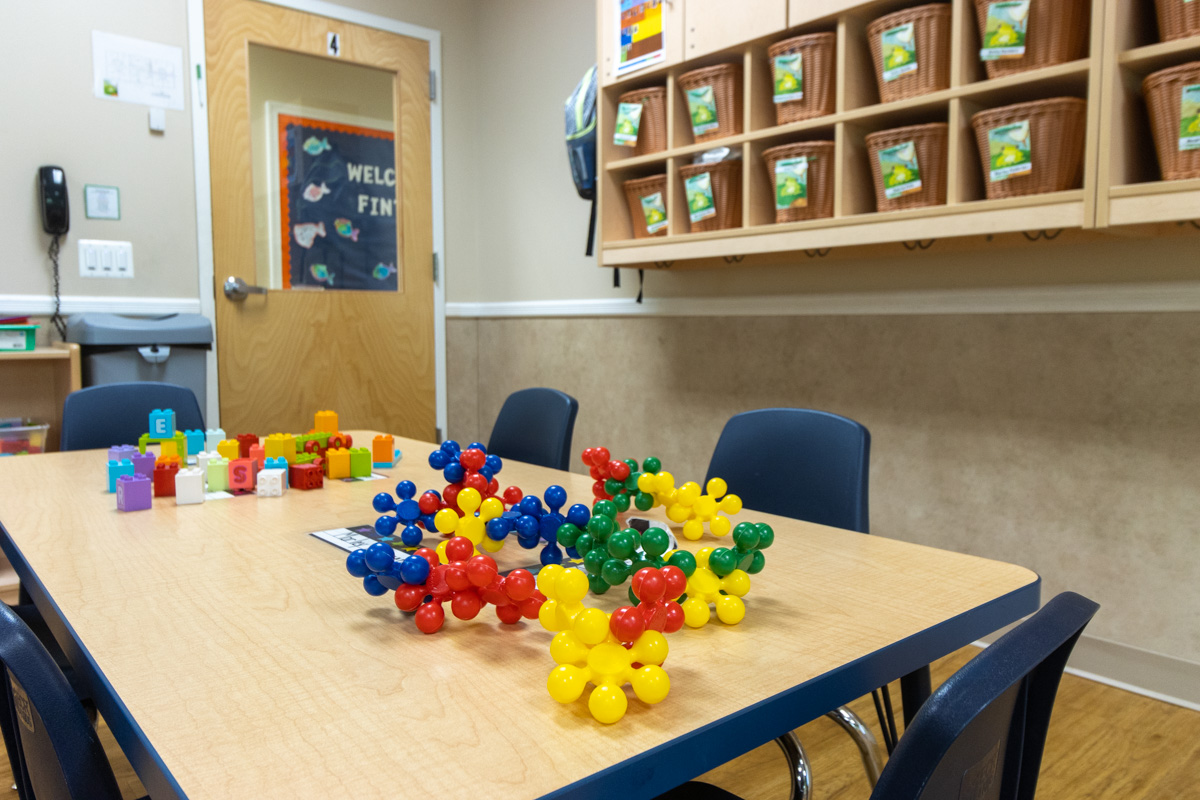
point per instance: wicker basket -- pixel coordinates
(931, 28)
(1163, 90)
(1057, 132)
(1177, 19)
(1058, 33)
(727, 194)
(726, 80)
(931, 142)
(652, 132)
(635, 190)
(820, 179)
(818, 58)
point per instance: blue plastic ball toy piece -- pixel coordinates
(555, 497)
(385, 525)
(451, 447)
(373, 586)
(454, 472)
(439, 459)
(412, 536)
(356, 564)
(493, 463)
(530, 505)
(551, 555)
(579, 515)
(391, 578)
(527, 527)
(406, 490)
(480, 446)
(414, 570)
(383, 502)
(485, 472)
(498, 528)
(380, 557)
(408, 510)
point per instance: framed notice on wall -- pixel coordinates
(639, 34)
(333, 204)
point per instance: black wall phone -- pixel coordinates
(52, 192)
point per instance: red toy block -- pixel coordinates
(14, 445)
(305, 476)
(164, 478)
(259, 454)
(242, 474)
(341, 440)
(244, 441)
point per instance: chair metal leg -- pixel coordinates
(801, 774)
(868, 745)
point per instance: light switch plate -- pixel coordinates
(100, 258)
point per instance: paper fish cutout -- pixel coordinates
(382, 271)
(307, 232)
(345, 229)
(313, 193)
(314, 146)
(321, 273)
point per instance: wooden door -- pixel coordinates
(284, 354)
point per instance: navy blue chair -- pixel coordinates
(118, 413)
(535, 426)
(983, 732)
(53, 749)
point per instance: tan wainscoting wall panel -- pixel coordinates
(1064, 442)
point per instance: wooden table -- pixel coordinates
(233, 656)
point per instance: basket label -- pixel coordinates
(655, 212)
(12, 340)
(629, 119)
(791, 183)
(698, 189)
(789, 77)
(1010, 151)
(1004, 31)
(900, 170)
(899, 49)
(1189, 118)
(702, 107)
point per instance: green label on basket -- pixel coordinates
(791, 183)
(629, 119)
(1189, 118)
(702, 107)
(655, 212)
(1010, 151)
(900, 171)
(698, 189)
(789, 77)
(1004, 31)
(899, 49)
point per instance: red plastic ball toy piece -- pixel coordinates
(429, 618)
(601, 456)
(450, 496)
(598, 490)
(429, 503)
(618, 470)
(674, 618)
(595, 473)
(475, 481)
(649, 585)
(472, 459)
(465, 605)
(509, 614)
(532, 605)
(589, 455)
(493, 487)
(676, 581)
(512, 495)
(429, 555)
(519, 584)
(627, 624)
(459, 548)
(481, 570)
(408, 597)
(456, 577)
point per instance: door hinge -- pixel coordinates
(436, 268)
(433, 84)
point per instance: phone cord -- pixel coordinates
(57, 318)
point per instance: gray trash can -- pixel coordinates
(168, 349)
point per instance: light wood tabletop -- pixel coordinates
(255, 665)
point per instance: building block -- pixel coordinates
(168, 447)
(213, 437)
(117, 469)
(121, 451)
(162, 423)
(218, 473)
(383, 451)
(272, 482)
(360, 462)
(244, 441)
(278, 463)
(164, 478)
(178, 442)
(338, 461)
(305, 476)
(341, 440)
(258, 454)
(241, 474)
(305, 458)
(189, 486)
(326, 421)
(133, 492)
(202, 459)
(143, 464)
(281, 444)
(228, 448)
(195, 441)
(163, 460)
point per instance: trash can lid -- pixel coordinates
(117, 329)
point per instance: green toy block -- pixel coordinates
(305, 458)
(218, 474)
(179, 439)
(360, 462)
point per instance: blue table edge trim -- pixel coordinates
(672, 763)
(146, 761)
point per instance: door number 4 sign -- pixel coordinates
(333, 44)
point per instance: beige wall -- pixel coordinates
(51, 117)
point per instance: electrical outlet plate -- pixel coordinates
(101, 258)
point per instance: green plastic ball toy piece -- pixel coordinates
(621, 501)
(745, 536)
(766, 536)
(643, 501)
(655, 541)
(651, 464)
(642, 563)
(568, 534)
(601, 527)
(631, 481)
(615, 571)
(597, 585)
(604, 508)
(757, 562)
(613, 486)
(622, 544)
(633, 598)
(585, 543)
(722, 561)
(684, 560)
(593, 561)
(633, 465)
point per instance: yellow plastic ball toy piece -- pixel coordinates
(491, 545)
(730, 504)
(651, 684)
(695, 612)
(677, 512)
(564, 589)
(446, 521)
(720, 526)
(469, 500)
(716, 487)
(730, 610)
(705, 506)
(568, 649)
(566, 683)
(693, 529)
(608, 703)
(704, 587)
(689, 493)
(591, 626)
(736, 583)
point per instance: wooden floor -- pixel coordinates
(1103, 743)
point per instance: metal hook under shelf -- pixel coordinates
(663, 264)
(1042, 234)
(733, 259)
(918, 244)
(818, 253)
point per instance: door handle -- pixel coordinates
(237, 289)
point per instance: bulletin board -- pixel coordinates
(335, 202)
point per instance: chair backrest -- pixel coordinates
(118, 413)
(54, 751)
(981, 734)
(798, 463)
(535, 426)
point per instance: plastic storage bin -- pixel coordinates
(170, 349)
(16, 338)
(22, 436)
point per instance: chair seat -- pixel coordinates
(697, 790)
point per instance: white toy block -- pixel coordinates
(189, 486)
(203, 457)
(272, 483)
(212, 437)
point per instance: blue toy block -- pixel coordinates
(116, 469)
(278, 463)
(162, 423)
(117, 452)
(195, 441)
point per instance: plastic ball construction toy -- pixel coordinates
(471, 468)
(618, 481)
(610, 555)
(407, 512)
(688, 506)
(469, 520)
(722, 576)
(654, 591)
(534, 523)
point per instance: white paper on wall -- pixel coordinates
(137, 71)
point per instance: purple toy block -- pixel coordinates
(133, 492)
(117, 452)
(143, 464)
